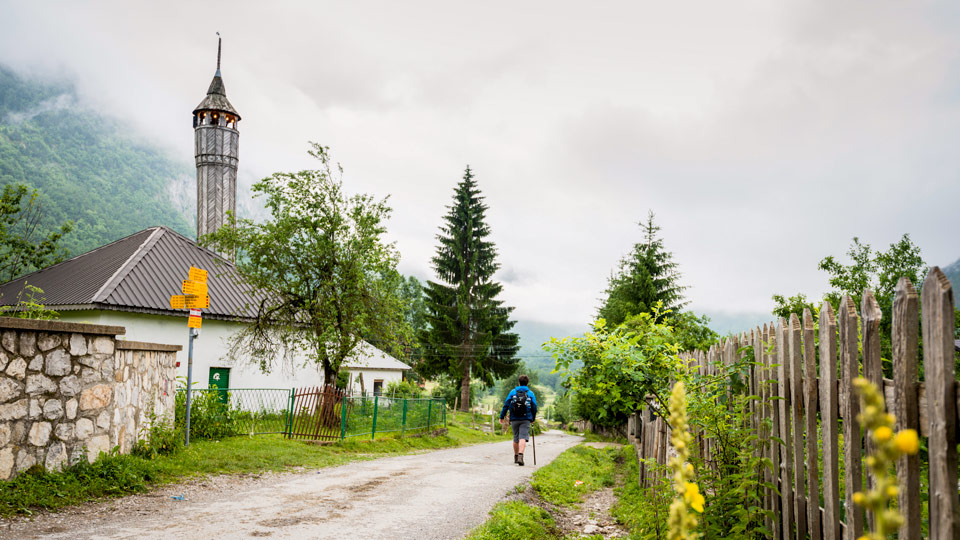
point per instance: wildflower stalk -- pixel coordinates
(682, 520)
(887, 448)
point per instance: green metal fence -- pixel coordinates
(365, 416)
(217, 413)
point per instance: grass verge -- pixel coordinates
(513, 520)
(116, 475)
(574, 473)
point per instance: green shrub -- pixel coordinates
(159, 439)
(210, 417)
(403, 389)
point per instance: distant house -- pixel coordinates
(371, 370)
(129, 283)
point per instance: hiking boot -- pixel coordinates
(515, 458)
(520, 460)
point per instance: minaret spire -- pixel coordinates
(219, 47)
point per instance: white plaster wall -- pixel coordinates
(209, 349)
(370, 375)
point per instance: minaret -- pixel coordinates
(216, 144)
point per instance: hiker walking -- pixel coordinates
(522, 405)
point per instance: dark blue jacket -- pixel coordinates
(531, 412)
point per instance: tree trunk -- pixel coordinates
(465, 388)
(327, 408)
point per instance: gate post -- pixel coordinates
(343, 416)
(403, 426)
(429, 412)
(376, 405)
(293, 392)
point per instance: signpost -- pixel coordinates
(194, 298)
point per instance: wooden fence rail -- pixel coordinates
(807, 410)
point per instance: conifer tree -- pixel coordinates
(647, 275)
(469, 328)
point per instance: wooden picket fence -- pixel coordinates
(804, 405)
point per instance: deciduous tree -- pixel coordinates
(316, 270)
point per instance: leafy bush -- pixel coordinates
(210, 417)
(158, 439)
(403, 389)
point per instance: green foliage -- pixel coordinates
(784, 307)
(29, 305)
(324, 289)
(513, 520)
(159, 439)
(87, 168)
(210, 417)
(403, 389)
(574, 473)
(646, 276)
(621, 367)
(469, 328)
(562, 409)
(643, 511)
(24, 247)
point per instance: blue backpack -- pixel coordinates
(520, 404)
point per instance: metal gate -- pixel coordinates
(315, 414)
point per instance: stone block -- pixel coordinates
(57, 363)
(65, 431)
(84, 428)
(40, 433)
(9, 341)
(70, 385)
(103, 420)
(72, 405)
(103, 345)
(96, 445)
(17, 368)
(88, 360)
(89, 376)
(5, 435)
(36, 409)
(56, 456)
(9, 390)
(48, 341)
(36, 364)
(28, 344)
(25, 459)
(78, 345)
(6, 463)
(4, 359)
(53, 409)
(14, 411)
(37, 384)
(95, 397)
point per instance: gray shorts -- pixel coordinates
(521, 430)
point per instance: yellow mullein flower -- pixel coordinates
(681, 520)
(887, 449)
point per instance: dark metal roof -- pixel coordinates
(216, 99)
(956, 345)
(138, 273)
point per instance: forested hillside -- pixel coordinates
(87, 168)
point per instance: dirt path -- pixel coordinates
(437, 495)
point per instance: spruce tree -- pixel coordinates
(469, 328)
(647, 275)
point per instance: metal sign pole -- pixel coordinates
(192, 333)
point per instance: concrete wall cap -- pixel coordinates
(59, 326)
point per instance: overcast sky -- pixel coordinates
(764, 135)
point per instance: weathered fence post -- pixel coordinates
(906, 408)
(850, 406)
(796, 405)
(872, 367)
(776, 447)
(938, 363)
(786, 471)
(810, 406)
(828, 423)
(289, 428)
(343, 416)
(429, 412)
(403, 424)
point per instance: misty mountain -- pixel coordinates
(953, 274)
(88, 168)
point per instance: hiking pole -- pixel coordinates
(534, 448)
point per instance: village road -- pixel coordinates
(436, 495)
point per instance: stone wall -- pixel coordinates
(69, 391)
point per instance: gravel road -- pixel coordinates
(436, 495)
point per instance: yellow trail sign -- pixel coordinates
(177, 301)
(197, 274)
(194, 287)
(194, 320)
(200, 301)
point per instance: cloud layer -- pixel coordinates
(764, 135)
